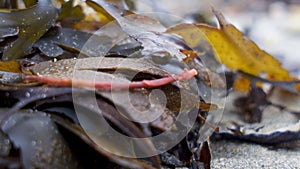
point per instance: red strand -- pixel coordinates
(65, 82)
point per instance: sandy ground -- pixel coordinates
(236, 155)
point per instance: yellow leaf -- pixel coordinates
(242, 84)
(191, 34)
(11, 66)
(232, 48)
(103, 15)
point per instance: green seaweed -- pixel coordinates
(56, 40)
(31, 23)
(70, 11)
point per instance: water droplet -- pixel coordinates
(13, 122)
(33, 143)
(46, 123)
(44, 95)
(38, 18)
(39, 142)
(75, 37)
(27, 94)
(11, 29)
(6, 141)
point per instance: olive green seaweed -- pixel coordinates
(31, 24)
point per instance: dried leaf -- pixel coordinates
(242, 83)
(11, 66)
(290, 87)
(232, 48)
(241, 53)
(205, 155)
(252, 105)
(191, 34)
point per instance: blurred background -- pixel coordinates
(273, 24)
